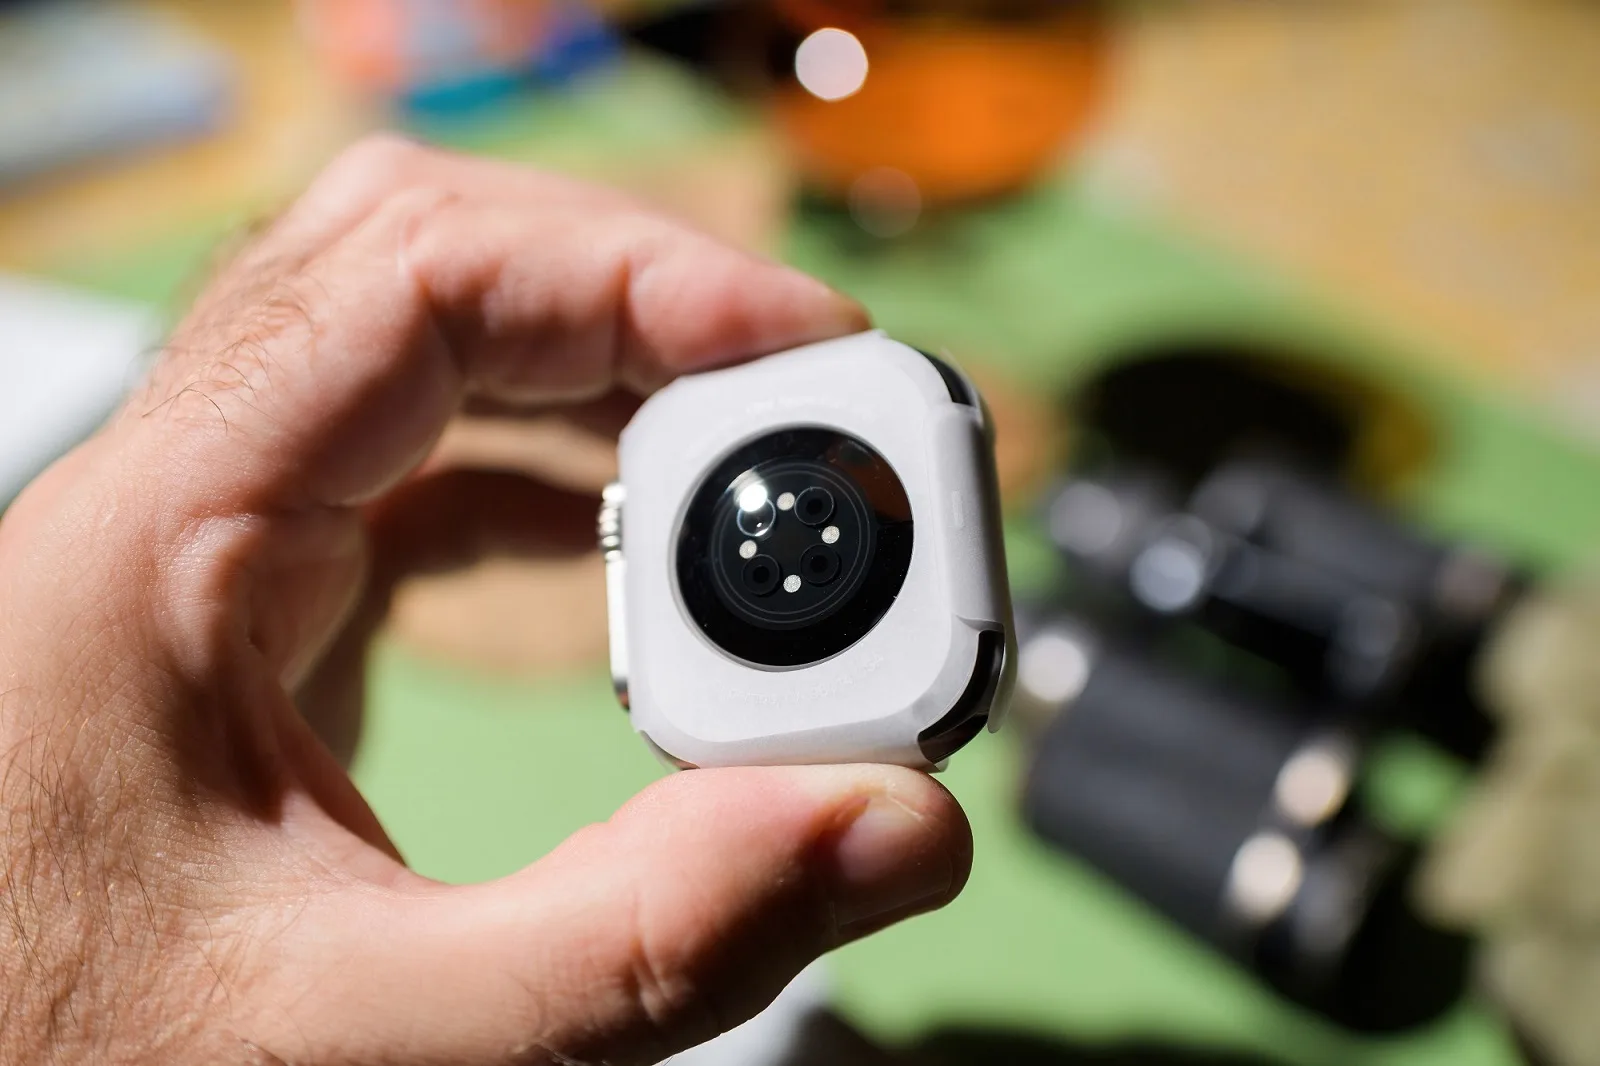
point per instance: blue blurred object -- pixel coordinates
(83, 80)
(461, 95)
(577, 42)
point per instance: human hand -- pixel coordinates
(187, 874)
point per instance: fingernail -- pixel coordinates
(847, 314)
(889, 863)
(853, 314)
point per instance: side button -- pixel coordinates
(616, 565)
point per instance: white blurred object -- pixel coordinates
(81, 80)
(771, 1038)
(66, 358)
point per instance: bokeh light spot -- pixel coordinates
(831, 64)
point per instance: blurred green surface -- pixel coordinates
(476, 776)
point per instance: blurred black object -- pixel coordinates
(997, 1047)
(1183, 408)
(825, 1039)
(1450, 595)
(1350, 603)
(1311, 518)
(1232, 815)
(738, 45)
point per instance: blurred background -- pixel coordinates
(1286, 315)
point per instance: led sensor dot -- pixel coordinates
(747, 550)
(785, 501)
(830, 535)
(792, 583)
(753, 497)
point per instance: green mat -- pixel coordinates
(476, 776)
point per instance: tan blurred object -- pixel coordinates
(508, 616)
(1432, 162)
(1030, 435)
(289, 119)
(515, 616)
(1522, 861)
(550, 449)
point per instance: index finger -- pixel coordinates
(326, 386)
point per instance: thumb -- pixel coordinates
(676, 920)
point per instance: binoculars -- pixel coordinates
(1222, 788)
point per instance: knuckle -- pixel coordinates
(672, 1002)
(414, 204)
(408, 223)
(383, 148)
(639, 229)
(362, 175)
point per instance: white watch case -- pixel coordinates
(933, 671)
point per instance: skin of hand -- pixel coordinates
(187, 873)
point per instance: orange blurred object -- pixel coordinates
(950, 105)
(389, 44)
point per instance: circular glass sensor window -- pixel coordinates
(794, 547)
